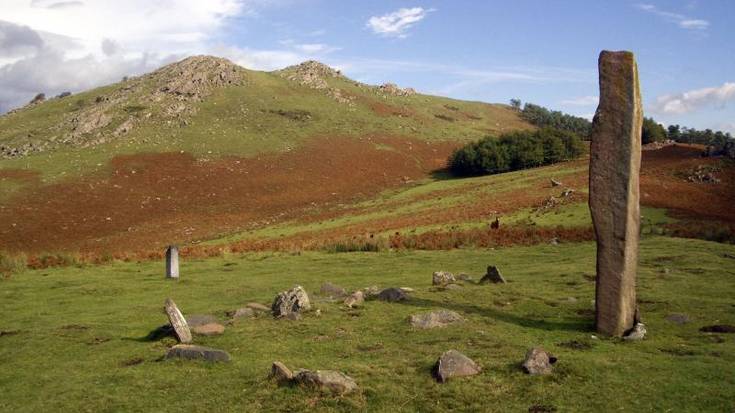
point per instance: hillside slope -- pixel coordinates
(202, 147)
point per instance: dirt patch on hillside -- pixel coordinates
(145, 201)
(19, 175)
(664, 185)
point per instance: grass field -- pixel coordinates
(75, 339)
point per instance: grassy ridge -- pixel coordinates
(82, 346)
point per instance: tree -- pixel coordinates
(515, 104)
(652, 131)
(674, 132)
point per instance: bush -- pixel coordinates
(515, 151)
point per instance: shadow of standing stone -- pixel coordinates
(615, 159)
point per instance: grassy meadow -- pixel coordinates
(77, 338)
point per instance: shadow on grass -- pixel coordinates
(582, 325)
(157, 334)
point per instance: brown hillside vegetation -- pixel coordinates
(145, 201)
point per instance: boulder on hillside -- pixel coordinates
(454, 364)
(442, 278)
(355, 299)
(289, 302)
(538, 361)
(326, 380)
(392, 295)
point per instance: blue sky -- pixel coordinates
(539, 51)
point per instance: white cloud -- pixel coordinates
(693, 100)
(53, 46)
(581, 101)
(397, 23)
(680, 20)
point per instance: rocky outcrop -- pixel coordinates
(391, 89)
(615, 159)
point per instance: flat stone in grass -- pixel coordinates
(194, 320)
(392, 295)
(326, 380)
(493, 276)
(435, 319)
(454, 364)
(193, 352)
(177, 320)
(371, 291)
(258, 307)
(294, 300)
(718, 328)
(245, 312)
(538, 361)
(332, 291)
(442, 278)
(211, 329)
(677, 318)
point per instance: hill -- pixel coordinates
(203, 146)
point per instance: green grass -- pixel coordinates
(74, 329)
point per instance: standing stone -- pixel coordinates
(172, 262)
(178, 322)
(615, 159)
(493, 276)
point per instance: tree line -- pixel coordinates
(515, 150)
(652, 131)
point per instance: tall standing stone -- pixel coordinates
(172, 262)
(615, 159)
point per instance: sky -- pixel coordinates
(535, 50)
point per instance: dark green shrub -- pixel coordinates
(514, 151)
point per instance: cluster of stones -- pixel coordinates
(703, 174)
(391, 89)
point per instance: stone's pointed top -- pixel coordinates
(617, 54)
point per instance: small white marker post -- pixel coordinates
(172, 262)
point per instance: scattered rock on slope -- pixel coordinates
(290, 302)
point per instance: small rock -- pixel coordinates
(555, 183)
(434, 319)
(245, 312)
(407, 290)
(454, 364)
(258, 307)
(177, 320)
(442, 278)
(326, 380)
(718, 328)
(638, 332)
(294, 300)
(538, 361)
(333, 291)
(195, 320)
(492, 276)
(280, 372)
(355, 299)
(370, 292)
(678, 318)
(193, 352)
(392, 295)
(211, 329)
(464, 277)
